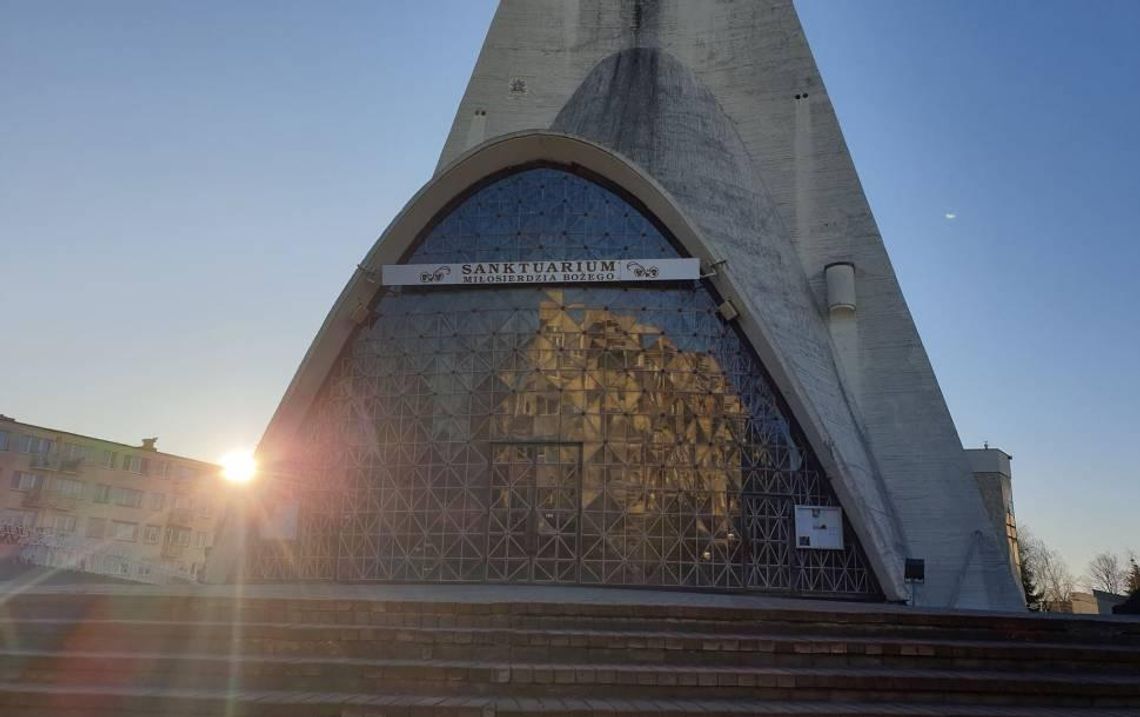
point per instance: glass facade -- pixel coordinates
(594, 434)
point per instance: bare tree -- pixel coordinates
(1050, 572)
(1107, 572)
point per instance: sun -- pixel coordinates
(239, 466)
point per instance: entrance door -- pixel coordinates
(532, 529)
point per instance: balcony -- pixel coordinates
(14, 534)
(70, 465)
(181, 516)
(41, 498)
(54, 462)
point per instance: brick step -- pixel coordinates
(536, 679)
(31, 700)
(903, 625)
(582, 646)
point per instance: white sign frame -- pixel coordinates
(544, 271)
(819, 527)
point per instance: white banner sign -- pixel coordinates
(574, 271)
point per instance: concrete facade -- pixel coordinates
(81, 503)
(715, 117)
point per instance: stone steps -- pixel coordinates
(130, 652)
(431, 676)
(571, 645)
(612, 618)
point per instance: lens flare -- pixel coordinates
(239, 466)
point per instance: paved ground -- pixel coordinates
(364, 705)
(473, 593)
(484, 594)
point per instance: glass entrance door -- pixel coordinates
(533, 522)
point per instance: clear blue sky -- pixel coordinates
(185, 187)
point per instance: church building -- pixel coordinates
(639, 329)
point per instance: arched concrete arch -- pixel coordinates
(499, 155)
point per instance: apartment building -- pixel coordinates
(82, 503)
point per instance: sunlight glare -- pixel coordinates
(239, 466)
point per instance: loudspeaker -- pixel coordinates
(915, 570)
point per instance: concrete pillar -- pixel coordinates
(842, 324)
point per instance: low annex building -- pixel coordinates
(640, 329)
(86, 504)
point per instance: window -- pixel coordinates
(34, 445)
(548, 405)
(102, 493)
(72, 456)
(205, 507)
(185, 472)
(182, 502)
(116, 565)
(162, 469)
(68, 487)
(20, 519)
(178, 536)
(142, 571)
(728, 460)
(157, 501)
(3, 440)
(151, 534)
(26, 482)
(199, 539)
(126, 497)
(110, 458)
(127, 532)
(96, 527)
(58, 523)
(132, 464)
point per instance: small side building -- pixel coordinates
(81, 503)
(1095, 602)
(995, 482)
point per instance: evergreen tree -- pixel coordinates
(1131, 606)
(1033, 593)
